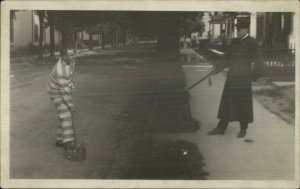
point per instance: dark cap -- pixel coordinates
(243, 22)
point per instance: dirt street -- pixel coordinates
(117, 95)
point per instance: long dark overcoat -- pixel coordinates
(244, 61)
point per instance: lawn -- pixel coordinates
(280, 100)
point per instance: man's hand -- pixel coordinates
(255, 79)
(72, 109)
(216, 70)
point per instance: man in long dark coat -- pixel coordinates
(244, 61)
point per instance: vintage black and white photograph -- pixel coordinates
(173, 95)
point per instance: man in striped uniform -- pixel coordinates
(59, 88)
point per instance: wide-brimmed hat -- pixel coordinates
(243, 22)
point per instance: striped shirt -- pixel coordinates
(61, 81)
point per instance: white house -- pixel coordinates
(24, 31)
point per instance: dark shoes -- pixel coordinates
(221, 131)
(75, 153)
(72, 151)
(242, 133)
(70, 144)
(217, 131)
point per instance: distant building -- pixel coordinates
(221, 27)
(272, 30)
(24, 31)
(276, 30)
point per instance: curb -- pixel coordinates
(25, 59)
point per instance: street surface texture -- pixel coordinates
(121, 97)
(129, 105)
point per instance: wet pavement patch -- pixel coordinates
(166, 160)
(163, 109)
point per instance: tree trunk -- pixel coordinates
(168, 35)
(102, 41)
(75, 39)
(91, 41)
(67, 38)
(41, 39)
(81, 39)
(135, 38)
(52, 38)
(116, 39)
(51, 32)
(124, 37)
(64, 39)
(112, 39)
(124, 34)
(168, 54)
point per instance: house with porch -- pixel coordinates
(274, 31)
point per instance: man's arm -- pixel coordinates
(66, 92)
(225, 58)
(64, 81)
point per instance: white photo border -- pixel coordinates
(146, 5)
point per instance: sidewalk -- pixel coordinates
(269, 156)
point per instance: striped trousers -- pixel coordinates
(65, 128)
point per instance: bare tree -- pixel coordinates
(41, 14)
(50, 15)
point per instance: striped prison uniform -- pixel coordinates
(59, 88)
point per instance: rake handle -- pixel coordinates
(199, 81)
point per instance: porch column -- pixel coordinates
(226, 27)
(292, 36)
(235, 31)
(253, 24)
(213, 31)
(230, 29)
